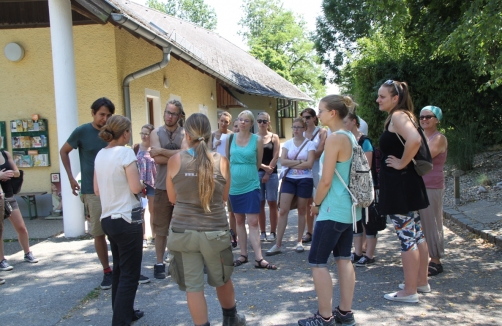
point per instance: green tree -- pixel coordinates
(281, 41)
(195, 11)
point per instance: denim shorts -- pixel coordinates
(150, 191)
(330, 237)
(269, 189)
(302, 188)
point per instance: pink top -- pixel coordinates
(435, 178)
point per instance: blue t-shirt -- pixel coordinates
(86, 139)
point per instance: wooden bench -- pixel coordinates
(30, 199)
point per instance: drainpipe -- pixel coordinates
(140, 73)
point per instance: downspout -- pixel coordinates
(140, 73)
(166, 50)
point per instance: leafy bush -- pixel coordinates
(462, 146)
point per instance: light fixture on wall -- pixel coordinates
(212, 96)
(166, 83)
(270, 105)
(14, 52)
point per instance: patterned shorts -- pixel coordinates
(408, 230)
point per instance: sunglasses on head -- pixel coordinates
(262, 121)
(391, 82)
(426, 117)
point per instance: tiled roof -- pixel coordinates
(218, 55)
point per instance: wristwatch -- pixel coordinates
(315, 205)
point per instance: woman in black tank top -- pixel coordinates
(269, 181)
(402, 190)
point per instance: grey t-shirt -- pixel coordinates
(86, 139)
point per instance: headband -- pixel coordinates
(434, 109)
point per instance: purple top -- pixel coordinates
(435, 178)
(147, 168)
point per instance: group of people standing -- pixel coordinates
(189, 174)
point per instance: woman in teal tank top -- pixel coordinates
(333, 228)
(245, 152)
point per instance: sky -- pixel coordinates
(229, 13)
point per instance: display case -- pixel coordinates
(30, 143)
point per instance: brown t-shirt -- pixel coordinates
(188, 213)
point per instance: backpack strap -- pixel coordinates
(315, 134)
(230, 138)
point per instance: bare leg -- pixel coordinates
(151, 210)
(22, 233)
(302, 211)
(347, 281)
(309, 218)
(272, 206)
(240, 220)
(324, 288)
(102, 250)
(160, 248)
(283, 217)
(411, 265)
(424, 264)
(254, 236)
(226, 295)
(358, 245)
(231, 218)
(198, 307)
(370, 246)
(262, 217)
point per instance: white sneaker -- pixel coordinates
(422, 289)
(409, 298)
(273, 251)
(145, 243)
(299, 247)
(271, 237)
(169, 257)
(263, 236)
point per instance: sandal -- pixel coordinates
(435, 269)
(267, 266)
(239, 262)
(307, 237)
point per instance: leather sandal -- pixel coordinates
(267, 266)
(307, 237)
(435, 269)
(239, 262)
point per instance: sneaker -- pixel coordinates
(355, 258)
(159, 271)
(273, 251)
(2, 281)
(345, 320)
(145, 243)
(271, 237)
(364, 261)
(317, 320)
(152, 242)
(299, 247)
(421, 289)
(4, 265)
(107, 281)
(409, 298)
(30, 258)
(237, 320)
(263, 236)
(143, 279)
(168, 258)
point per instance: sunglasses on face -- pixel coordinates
(262, 121)
(307, 117)
(426, 117)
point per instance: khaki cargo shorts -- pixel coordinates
(162, 213)
(92, 207)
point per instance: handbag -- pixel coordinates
(17, 183)
(375, 220)
(7, 209)
(294, 202)
(422, 161)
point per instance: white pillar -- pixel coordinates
(65, 89)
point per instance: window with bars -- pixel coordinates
(285, 109)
